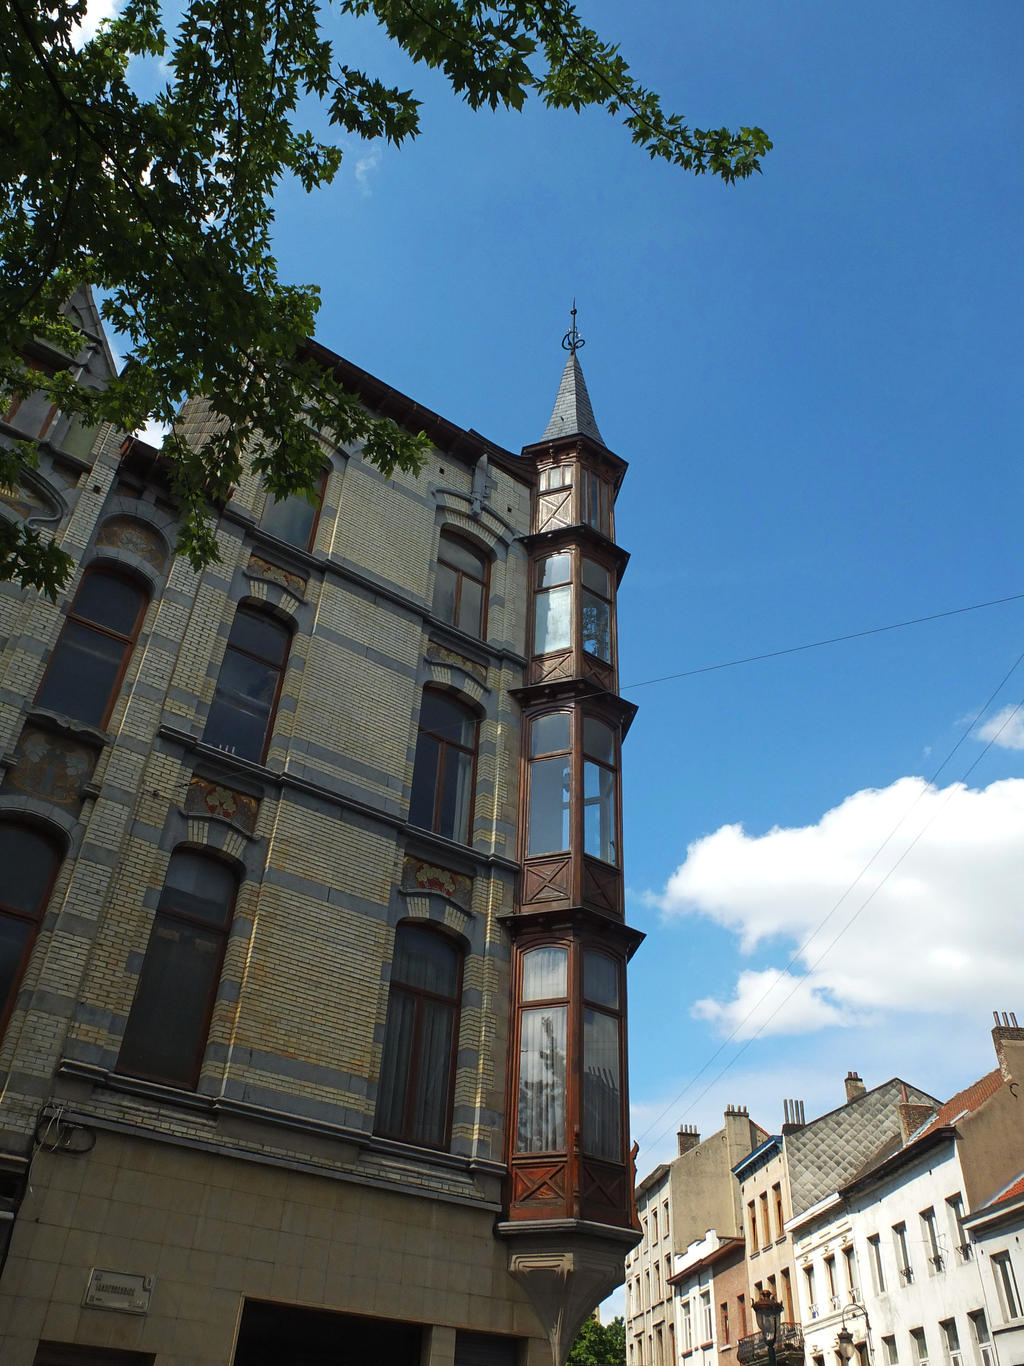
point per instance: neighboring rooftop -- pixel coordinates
(965, 1102)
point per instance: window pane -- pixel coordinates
(109, 601)
(170, 1015)
(242, 707)
(550, 734)
(426, 960)
(424, 782)
(595, 576)
(428, 1122)
(554, 570)
(599, 836)
(597, 634)
(83, 673)
(598, 740)
(396, 1062)
(445, 587)
(600, 979)
(456, 795)
(290, 519)
(545, 973)
(443, 716)
(459, 554)
(259, 635)
(541, 1126)
(26, 866)
(14, 937)
(554, 621)
(199, 887)
(471, 607)
(602, 1104)
(548, 826)
(558, 478)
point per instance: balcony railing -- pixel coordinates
(790, 1340)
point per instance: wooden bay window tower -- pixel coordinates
(570, 1216)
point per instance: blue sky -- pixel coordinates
(816, 378)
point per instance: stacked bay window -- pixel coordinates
(573, 786)
(570, 493)
(574, 611)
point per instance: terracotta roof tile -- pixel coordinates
(964, 1102)
(1011, 1192)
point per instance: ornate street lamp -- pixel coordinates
(768, 1311)
(844, 1338)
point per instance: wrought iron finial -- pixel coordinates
(572, 341)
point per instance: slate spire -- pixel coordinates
(572, 414)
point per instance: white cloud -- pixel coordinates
(933, 924)
(366, 165)
(1006, 728)
(153, 432)
(96, 12)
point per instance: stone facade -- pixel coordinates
(264, 1183)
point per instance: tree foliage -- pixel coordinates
(166, 202)
(599, 1344)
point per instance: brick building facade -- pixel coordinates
(313, 994)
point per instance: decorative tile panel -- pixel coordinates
(52, 767)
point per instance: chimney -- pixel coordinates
(854, 1086)
(912, 1116)
(1007, 1038)
(688, 1138)
(792, 1116)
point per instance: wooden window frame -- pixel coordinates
(179, 916)
(128, 642)
(460, 574)
(251, 610)
(576, 1004)
(272, 502)
(439, 770)
(577, 554)
(33, 918)
(578, 759)
(419, 995)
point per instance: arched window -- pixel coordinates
(442, 779)
(420, 1038)
(29, 862)
(90, 658)
(165, 1037)
(294, 519)
(460, 584)
(242, 712)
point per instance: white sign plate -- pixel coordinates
(118, 1290)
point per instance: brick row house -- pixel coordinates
(312, 939)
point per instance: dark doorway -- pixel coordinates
(281, 1335)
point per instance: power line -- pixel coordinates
(817, 644)
(802, 948)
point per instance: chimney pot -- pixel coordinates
(854, 1086)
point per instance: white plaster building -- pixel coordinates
(997, 1232)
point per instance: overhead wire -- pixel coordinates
(799, 952)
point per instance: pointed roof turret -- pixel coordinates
(572, 414)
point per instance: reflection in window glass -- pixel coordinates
(414, 1102)
(242, 711)
(554, 621)
(541, 1126)
(600, 980)
(293, 519)
(597, 633)
(545, 973)
(165, 1036)
(548, 828)
(602, 1098)
(90, 657)
(459, 584)
(550, 734)
(442, 780)
(28, 865)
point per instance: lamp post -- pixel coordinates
(768, 1311)
(844, 1338)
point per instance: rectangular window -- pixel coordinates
(657, 1283)
(659, 1346)
(685, 1327)
(752, 1225)
(812, 1307)
(875, 1258)
(779, 1220)
(741, 1314)
(891, 1355)
(961, 1239)
(981, 1338)
(920, 1342)
(899, 1242)
(766, 1231)
(787, 1297)
(1006, 1284)
(850, 1274)
(930, 1238)
(707, 1324)
(664, 1221)
(542, 1080)
(553, 617)
(654, 1225)
(951, 1341)
(723, 1314)
(830, 1281)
